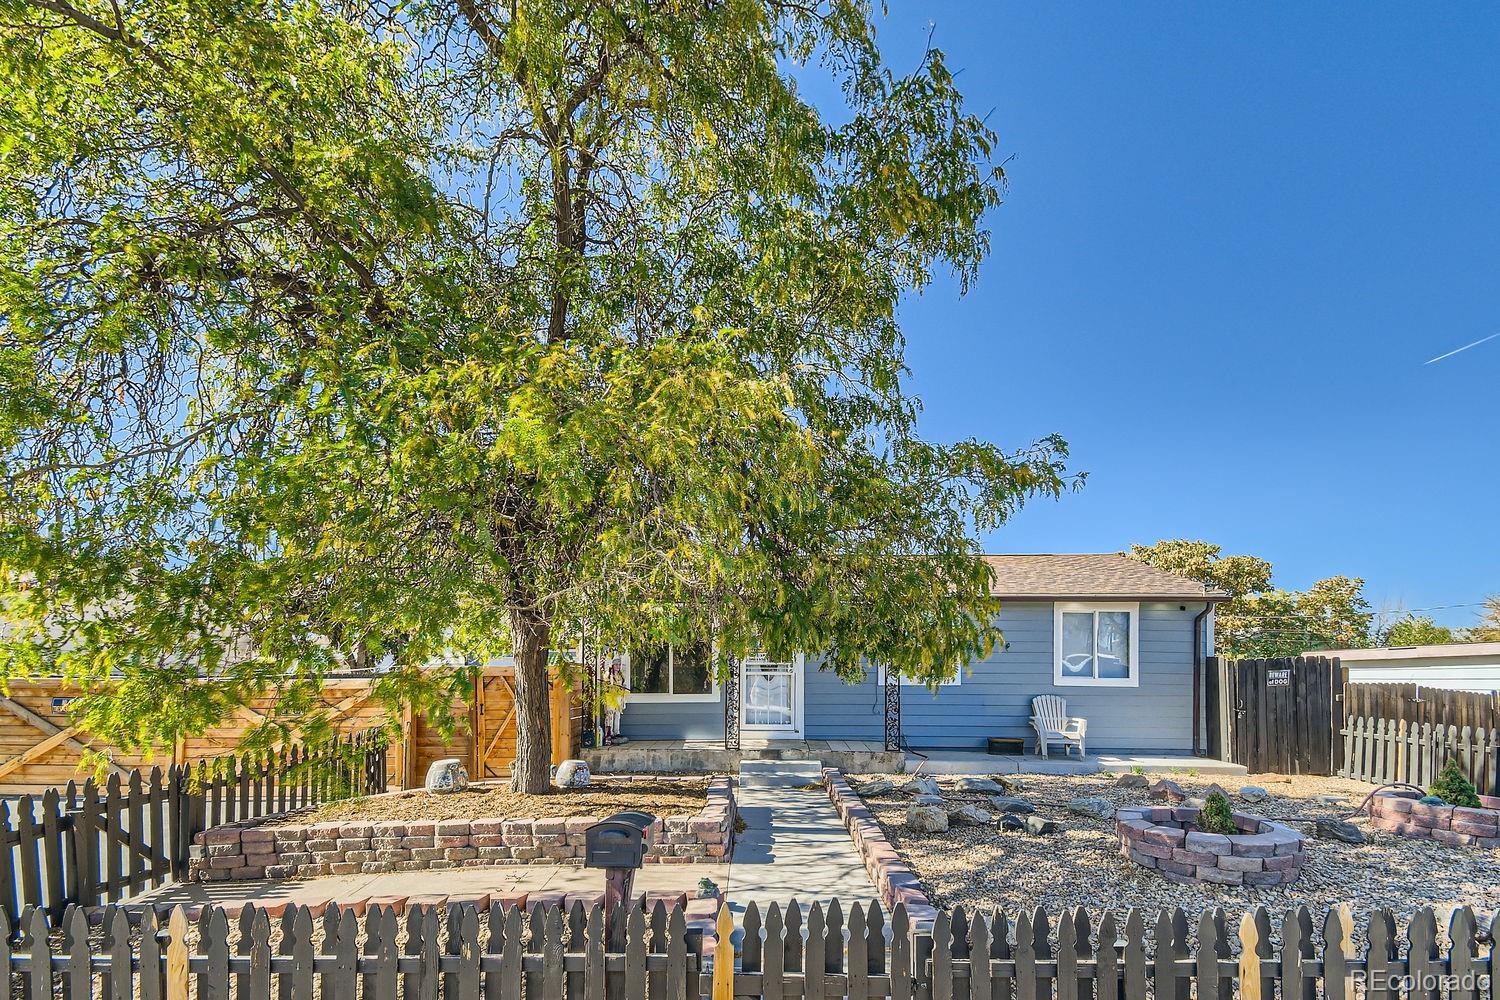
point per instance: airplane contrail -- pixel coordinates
(1461, 349)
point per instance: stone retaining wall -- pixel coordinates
(1400, 813)
(253, 850)
(1166, 838)
(888, 870)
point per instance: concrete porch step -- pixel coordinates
(780, 773)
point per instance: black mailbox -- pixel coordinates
(617, 842)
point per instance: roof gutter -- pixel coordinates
(1198, 674)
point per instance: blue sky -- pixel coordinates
(1232, 236)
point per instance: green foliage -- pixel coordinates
(338, 336)
(1216, 816)
(1262, 621)
(1454, 787)
(1415, 630)
(1488, 629)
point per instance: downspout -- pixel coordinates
(1198, 675)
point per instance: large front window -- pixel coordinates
(1096, 644)
(672, 669)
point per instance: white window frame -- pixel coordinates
(1059, 679)
(644, 697)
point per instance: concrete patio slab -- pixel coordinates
(977, 762)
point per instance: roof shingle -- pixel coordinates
(1091, 575)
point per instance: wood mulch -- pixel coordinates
(660, 797)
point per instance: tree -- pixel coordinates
(1259, 620)
(361, 334)
(1415, 630)
(1488, 629)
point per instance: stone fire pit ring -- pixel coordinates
(1167, 839)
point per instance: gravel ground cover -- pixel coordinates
(982, 866)
(662, 797)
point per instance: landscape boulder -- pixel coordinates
(968, 814)
(1167, 790)
(921, 786)
(1012, 823)
(985, 786)
(1253, 793)
(447, 775)
(876, 786)
(1038, 827)
(1341, 830)
(926, 819)
(1095, 807)
(927, 800)
(1131, 781)
(1009, 804)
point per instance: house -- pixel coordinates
(1457, 666)
(1123, 642)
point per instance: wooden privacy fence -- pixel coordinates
(549, 954)
(1387, 750)
(1276, 715)
(1420, 704)
(85, 844)
(42, 746)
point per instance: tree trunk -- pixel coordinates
(533, 765)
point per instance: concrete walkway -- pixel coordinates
(793, 845)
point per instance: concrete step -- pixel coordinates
(780, 773)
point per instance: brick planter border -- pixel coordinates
(1399, 812)
(1165, 838)
(253, 850)
(892, 876)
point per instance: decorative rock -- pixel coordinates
(926, 819)
(1338, 829)
(1012, 824)
(572, 774)
(1131, 781)
(1193, 802)
(1007, 804)
(1253, 793)
(927, 800)
(922, 786)
(447, 775)
(1433, 800)
(1167, 789)
(987, 786)
(707, 889)
(968, 813)
(1097, 808)
(880, 786)
(1038, 827)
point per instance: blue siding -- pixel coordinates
(994, 698)
(665, 720)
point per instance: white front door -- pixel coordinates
(771, 697)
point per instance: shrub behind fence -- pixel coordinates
(90, 843)
(551, 954)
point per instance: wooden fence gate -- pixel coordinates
(1281, 715)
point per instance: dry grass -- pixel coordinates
(662, 797)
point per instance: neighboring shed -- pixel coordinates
(1457, 666)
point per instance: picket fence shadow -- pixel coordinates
(90, 843)
(504, 953)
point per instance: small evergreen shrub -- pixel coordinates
(1216, 816)
(1454, 788)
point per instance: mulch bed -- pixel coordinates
(661, 797)
(982, 866)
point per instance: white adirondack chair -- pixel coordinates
(1049, 717)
